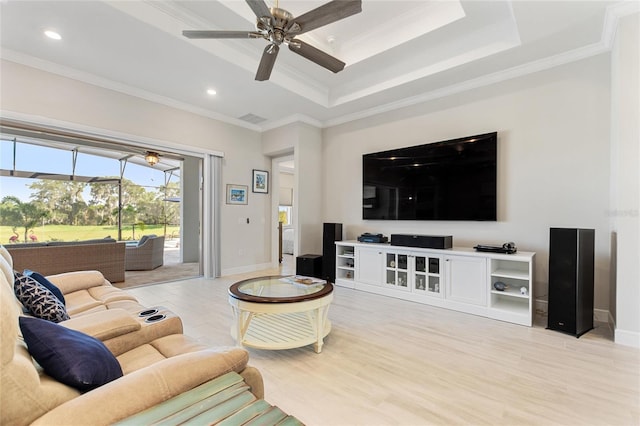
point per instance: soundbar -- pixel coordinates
(422, 241)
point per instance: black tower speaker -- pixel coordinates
(331, 233)
(571, 269)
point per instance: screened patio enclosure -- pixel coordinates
(36, 156)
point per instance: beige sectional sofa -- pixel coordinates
(158, 362)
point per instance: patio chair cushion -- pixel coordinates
(145, 238)
(69, 356)
(39, 300)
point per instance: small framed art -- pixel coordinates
(260, 181)
(237, 194)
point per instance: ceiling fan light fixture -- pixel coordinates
(152, 158)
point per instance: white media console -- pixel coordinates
(460, 278)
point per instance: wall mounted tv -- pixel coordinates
(449, 180)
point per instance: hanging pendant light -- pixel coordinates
(152, 158)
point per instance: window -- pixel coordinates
(285, 215)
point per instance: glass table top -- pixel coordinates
(280, 289)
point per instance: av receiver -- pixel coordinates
(372, 238)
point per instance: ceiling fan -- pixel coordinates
(279, 26)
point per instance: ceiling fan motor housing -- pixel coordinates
(276, 32)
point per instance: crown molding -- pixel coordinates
(613, 15)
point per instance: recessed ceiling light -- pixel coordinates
(53, 35)
(211, 92)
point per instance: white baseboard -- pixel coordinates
(599, 315)
(627, 338)
(246, 269)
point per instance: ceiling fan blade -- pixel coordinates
(266, 63)
(316, 55)
(259, 7)
(220, 34)
(326, 14)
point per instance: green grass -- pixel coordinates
(75, 233)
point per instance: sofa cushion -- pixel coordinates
(45, 282)
(40, 301)
(69, 356)
(81, 301)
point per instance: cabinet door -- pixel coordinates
(427, 274)
(466, 279)
(397, 269)
(369, 265)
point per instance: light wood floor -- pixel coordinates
(392, 362)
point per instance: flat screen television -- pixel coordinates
(449, 180)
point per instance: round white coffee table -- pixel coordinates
(280, 313)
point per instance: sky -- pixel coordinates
(34, 158)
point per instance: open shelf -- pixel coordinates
(345, 265)
(511, 273)
(510, 304)
(510, 293)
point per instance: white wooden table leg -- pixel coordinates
(319, 330)
(237, 317)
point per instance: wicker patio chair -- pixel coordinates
(146, 255)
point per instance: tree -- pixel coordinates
(104, 201)
(63, 198)
(49, 193)
(17, 213)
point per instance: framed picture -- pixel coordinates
(260, 181)
(237, 194)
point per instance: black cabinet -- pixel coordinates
(309, 265)
(331, 232)
(571, 276)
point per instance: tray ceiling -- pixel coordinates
(397, 52)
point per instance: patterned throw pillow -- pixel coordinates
(41, 302)
(45, 282)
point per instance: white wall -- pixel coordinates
(305, 142)
(36, 93)
(307, 189)
(625, 180)
(553, 161)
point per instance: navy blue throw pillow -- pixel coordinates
(69, 356)
(45, 282)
